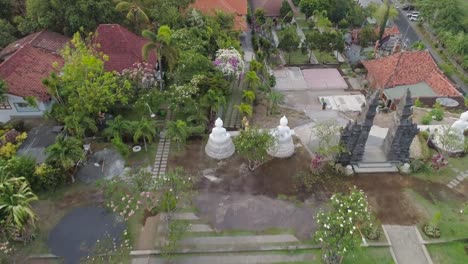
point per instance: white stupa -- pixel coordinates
(219, 144)
(285, 145)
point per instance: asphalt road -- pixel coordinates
(406, 30)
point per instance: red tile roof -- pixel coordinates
(122, 46)
(236, 7)
(271, 7)
(28, 61)
(406, 68)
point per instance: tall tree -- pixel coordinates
(286, 11)
(7, 33)
(136, 12)
(117, 128)
(65, 153)
(289, 41)
(383, 14)
(178, 131)
(161, 43)
(213, 100)
(145, 129)
(309, 6)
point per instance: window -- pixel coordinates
(25, 107)
(4, 104)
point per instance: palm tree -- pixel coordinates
(15, 199)
(321, 20)
(145, 129)
(163, 46)
(65, 153)
(383, 14)
(78, 123)
(136, 12)
(213, 100)
(118, 127)
(178, 131)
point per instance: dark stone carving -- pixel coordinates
(354, 135)
(401, 134)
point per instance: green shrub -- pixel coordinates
(121, 147)
(418, 103)
(437, 112)
(245, 109)
(427, 119)
(272, 81)
(419, 165)
(424, 134)
(248, 96)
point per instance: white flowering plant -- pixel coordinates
(110, 250)
(141, 75)
(181, 94)
(339, 230)
(229, 62)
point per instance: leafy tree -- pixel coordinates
(190, 64)
(309, 6)
(338, 10)
(178, 131)
(321, 20)
(161, 43)
(66, 16)
(118, 128)
(225, 20)
(15, 202)
(289, 41)
(259, 15)
(65, 153)
(367, 35)
(326, 133)
(136, 12)
(84, 85)
(7, 33)
(339, 230)
(145, 129)
(168, 12)
(253, 145)
(78, 123)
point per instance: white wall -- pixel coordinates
(7, 114)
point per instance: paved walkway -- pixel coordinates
(458, 179)
(162, 153)
(407, 245)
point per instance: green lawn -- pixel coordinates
(297, 57)
(446, 174)
(143, 158)
(373, 255)
(325, 57)
(450, 253)
(453, 222)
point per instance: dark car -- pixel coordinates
(408, 8)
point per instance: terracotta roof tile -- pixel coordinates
(237, 7)
(406, 68)
(30, 60)
(122, 46)
(271, 7)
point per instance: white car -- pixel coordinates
(414, 18)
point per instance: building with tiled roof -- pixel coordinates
(122, 46)
(416, 68)
(23, 65)
(271, 7)
(236, 7)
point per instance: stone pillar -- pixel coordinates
(219, 144)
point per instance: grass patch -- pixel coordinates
(379, 255)
(453, 222)
(446, 174)
(297, 57)
(325, 57)
(450, 253)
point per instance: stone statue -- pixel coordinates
(245, 123)
(219, 144)
(284, 147)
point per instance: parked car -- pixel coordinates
(414, 17)
(410, 14)
(408, 8)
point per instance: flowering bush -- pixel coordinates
(180, 94)
(109, 250)
(229, 62)
(141, 74)
(10, 140)
(438, 161)
(339, 229)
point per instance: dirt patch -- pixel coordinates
(263, 119)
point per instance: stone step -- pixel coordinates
(200, 228)
(236, 242)
(358, 169)
(230, 258)
(185, 216)
(375, 165)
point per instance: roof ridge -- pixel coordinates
(15, 53)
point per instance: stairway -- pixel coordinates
(202, 244)
(374, 167)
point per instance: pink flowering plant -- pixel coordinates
(109, 250)
(229, 62)
(339, 230)
(141, 74)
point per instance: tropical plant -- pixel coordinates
(178, 131)
(78, 123)
(383, 14)
(245, 109)
(274, 98)
(136, 12)
(117, 128)
(248, 96)
(252, 80)
(253, 144)
(289, 41)
(339, 230)
(15, 199)
(145, 129)
(213, 100)
(65, 153)
(162, 44)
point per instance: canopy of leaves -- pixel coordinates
(7, 33)
(253, 144)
